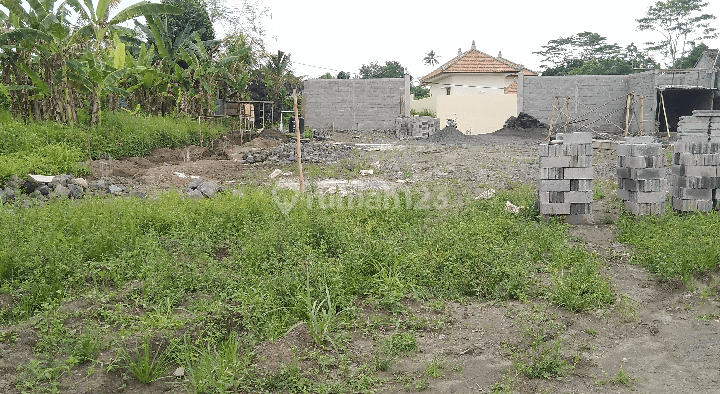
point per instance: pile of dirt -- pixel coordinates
(525, 122)
(450, 136)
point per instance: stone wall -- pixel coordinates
(356, 104)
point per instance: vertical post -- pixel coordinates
(642, 113)
(201, 137)
(627, 114)
(667, 124)
(297, 135)
(567, 115)
(552, 119)
(89, 152)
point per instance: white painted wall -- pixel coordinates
(478, 114)
(494, 83)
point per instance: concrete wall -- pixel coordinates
(538, 94)
(694, 77)
(477, 114)
(356, 104)
(485, 83)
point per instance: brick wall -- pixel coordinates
(355, 104)
(643, 84)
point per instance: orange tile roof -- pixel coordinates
(512, 89)
(474, 61)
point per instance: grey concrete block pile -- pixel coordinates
(641, 176)
(695, 172)
(407, 127)
(565, 182)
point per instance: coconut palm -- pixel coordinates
(431, 58)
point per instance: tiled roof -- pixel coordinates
(474, 61)
(512, 89)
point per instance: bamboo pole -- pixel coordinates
(201, 136)
(567, 115)
(642, 112)
(552, 120)
(297, 135)
(627, 114)
(667, 124)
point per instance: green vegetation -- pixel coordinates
(657, 248)
(620, 378)
(424, 112)
(53, 148)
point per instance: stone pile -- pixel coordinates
(524, 121)
(407, 127)
(695, 172)
(328, 153)
(565, 182)
(199, 189)
(58, 186)
(641, 176)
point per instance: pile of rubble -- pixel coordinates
(524, 121)
(58, 186)
(284, 153)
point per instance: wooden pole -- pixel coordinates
(201, 137)
(89, 152)
(297, 135)
(567, 115)
(627, 115)
(667, 124)
(552, 120)
(642, 112)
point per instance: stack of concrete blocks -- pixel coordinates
(407, 127)
(641, 176)
(565, 184)
(695, 176)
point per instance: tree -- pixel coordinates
(194, 15)
(681, 24)
(431, 58)
(343, 75)
(276, 73)
(326, 76)
(391, 69)
(590, 53)
(691, 59)
(419, 91)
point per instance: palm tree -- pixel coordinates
(431, 58)
(276, 73)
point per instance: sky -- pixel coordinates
(344, 35)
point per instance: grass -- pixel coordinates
(205, 270)
(657, 245)
(53, 148)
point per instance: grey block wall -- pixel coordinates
(643, 84)
(407, 127)
(355, 104)
(641, 176)
(538, 95)
(565, 182)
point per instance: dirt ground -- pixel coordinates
(654, 332)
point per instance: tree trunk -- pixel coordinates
(95, 111)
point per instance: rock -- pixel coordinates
(62, 179)
(275, 174)
(2, 196)
(511, 208)
(44, 190)
(29, 186)
(76, 191)
(195, 193)
(14, 182)
(179, 372)
(62, 191)
(138, 193)
(486, 194)
(9, 194)
(99, 185)
(113, 189)
(195, 183)
(41, 178)
(80, 182)
(208, 189)
(366, 172)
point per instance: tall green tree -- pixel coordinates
(194, 15)
(681, 23)
(590, 53)
(390, 69)
(276, 73)
(692, 57)
(343, 75)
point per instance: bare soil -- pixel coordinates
(654, 331)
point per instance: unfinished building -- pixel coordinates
(649, 102)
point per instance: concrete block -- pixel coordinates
(580, 219)
(623, 194)
(551, 197)
(623, 173)
(554, 185)
(578, 197)
(580, 209)
(580, 185)
(646, 197)
(624, 150)
(576, 138)
(701, 171)
(647, 150)
(579, 173)
(581, 161)
(639, 140)
(645, 209)
(691, 194)
(552, 173)
(554, 209)
(554, 162)
(647, 173)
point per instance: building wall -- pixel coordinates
(643, 84)
(477, 114)
(356, 104)
(486, 84)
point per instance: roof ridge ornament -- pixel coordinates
(472, 47)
